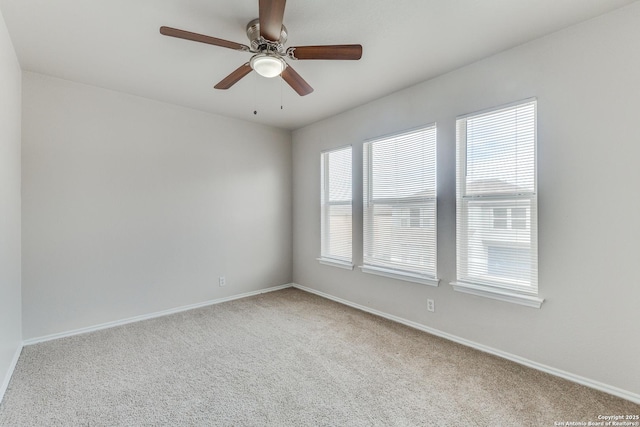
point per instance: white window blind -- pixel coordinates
(497, 200)
(336, 206)
(400, 205)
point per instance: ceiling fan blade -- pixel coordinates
(343, 51)
(187, 35)
(234, 77)
(296, 81)
(271, 13)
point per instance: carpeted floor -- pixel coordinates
(285, 358)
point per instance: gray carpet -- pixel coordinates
(286, 358)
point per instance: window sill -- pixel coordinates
(335, 263)
(498, 294)
(400, 275)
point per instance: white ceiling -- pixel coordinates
(116, 44)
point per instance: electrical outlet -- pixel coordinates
(222, 281)
(431, 305)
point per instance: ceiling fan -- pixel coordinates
(268, 36)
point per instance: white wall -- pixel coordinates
(586, 79)
(10, 306)
(133, 206)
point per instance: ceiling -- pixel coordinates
(116, 44)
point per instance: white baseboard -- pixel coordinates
(115, 323)
(624, 394)
(12, 367)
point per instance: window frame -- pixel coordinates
(388, 270)
(490, 286)
(325, 203)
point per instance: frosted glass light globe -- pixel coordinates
(267, 65)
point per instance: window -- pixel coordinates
(510, 218)
(499, 218)
(400, 206)
(497, 250)
(336, 208)
(519, 218)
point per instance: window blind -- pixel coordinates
(336, 205)
(497, 199)
(399, 224)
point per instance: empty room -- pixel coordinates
(337, 213)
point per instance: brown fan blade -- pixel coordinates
(187, 35)
(296, 81)
(234, 77)
(343, 51)
(271, 13)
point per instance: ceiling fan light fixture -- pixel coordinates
(267, 65)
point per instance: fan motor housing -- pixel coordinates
(259, 43)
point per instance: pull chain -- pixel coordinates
(281, 91)
(255, 88)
